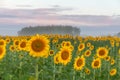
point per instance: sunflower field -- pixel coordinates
(59, 57)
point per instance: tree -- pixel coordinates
(51, 29)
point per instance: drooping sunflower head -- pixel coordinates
(65, 55)
(79, 63)
(113, 72)
(96, 63)
(102, 52)
(39, 46)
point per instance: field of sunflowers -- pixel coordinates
(59, 57)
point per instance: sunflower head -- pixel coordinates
(96, 63)
(102, 52)
(107, 58)
(2, 42)
(39, 46)
(112, 61)
(87, 71)
(81, 47)
(56, 58)
(23, 45)
(88, 44)
(79, 63)
(2, 52)
(87, 53)
(113, 72)
(51, 52)
(12, 48)
(65, 55)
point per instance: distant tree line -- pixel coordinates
(31, 30)
(118, 34)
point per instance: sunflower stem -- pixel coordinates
(36, 72)
(53, 71)
(74, 75)
(94, 75)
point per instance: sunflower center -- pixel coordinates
(112, 71)
(65, 55)
(37, 45)
(87, 53)
(102, 52)
(96, 63)
(81, 46)
(67, 44)
(23, 45)
(79, 62)
(1, 43)
(17, 43)
(51, 52)
(12, 48)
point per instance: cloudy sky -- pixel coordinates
(94, 17)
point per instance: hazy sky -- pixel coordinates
(94, 17)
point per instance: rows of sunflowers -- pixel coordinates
(59, 57)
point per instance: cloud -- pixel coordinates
(52, 15)
(24, 6)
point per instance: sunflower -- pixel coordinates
(63, 43)
(39, 46)
(56, 59)
(7, 40)
(79, 63)
(68, 43)
(81, 47)
(87, 53)
(65, 55)
(88, 44)
(96, 63)
(87, 71)
(91, 47)
(23, 45)
(112, 62)
(119, 51)
(51, 52)
(102, 52)
(2, 52)
(113, 72)
(2, 42)
(12, 48)
(117, 44)
(57, 46)
(16, 42)
(107, 58)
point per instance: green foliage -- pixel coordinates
(49, 30)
